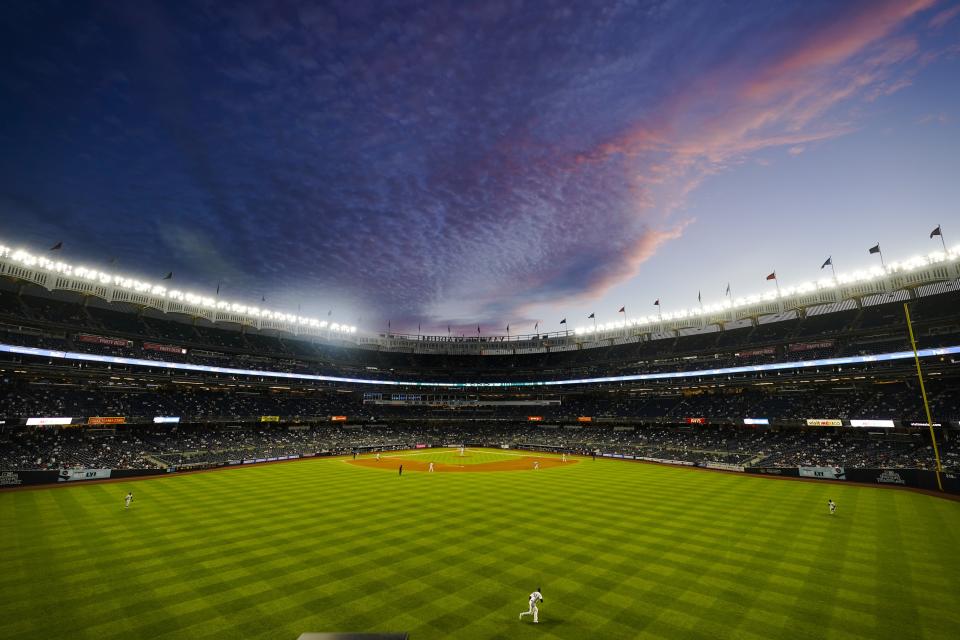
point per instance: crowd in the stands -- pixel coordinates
(220, 414)
(184, 446)
(238, 402)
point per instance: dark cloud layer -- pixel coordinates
(448, 161)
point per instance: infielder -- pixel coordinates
(563, 457)
(431, 468)
(128, 500)
(535, 598)
(378, 456)
(536, 465)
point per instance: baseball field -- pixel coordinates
(619, 550)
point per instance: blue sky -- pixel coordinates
(455, 163)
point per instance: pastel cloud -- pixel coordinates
(944, 16)
(737, 109)
(458, 162)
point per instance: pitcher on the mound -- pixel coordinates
(535, 598)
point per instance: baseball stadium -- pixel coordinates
(664, 478)
(416, 320)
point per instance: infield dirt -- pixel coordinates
(523, 463)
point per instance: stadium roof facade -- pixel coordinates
(935, 273)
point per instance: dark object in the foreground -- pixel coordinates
(353, 636)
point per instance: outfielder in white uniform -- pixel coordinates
(535, 598)
(832, 505)
(128, 500)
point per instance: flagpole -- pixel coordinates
(880, 251)
(942, 241)
(833, 268)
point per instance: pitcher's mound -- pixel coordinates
(524, 463)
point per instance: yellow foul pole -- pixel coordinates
(923, 392)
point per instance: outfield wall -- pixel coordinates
(10, 479)
(913, 478)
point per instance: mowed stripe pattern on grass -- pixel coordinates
(621, 550)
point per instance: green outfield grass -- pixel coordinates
(620, 549)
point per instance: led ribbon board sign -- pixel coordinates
(48, 422)
(670, 375)
(882, 424)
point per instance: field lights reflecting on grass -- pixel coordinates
(670, 375)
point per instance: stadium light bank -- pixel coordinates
(842, 279)
(134, 285)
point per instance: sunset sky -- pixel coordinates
(498, 162)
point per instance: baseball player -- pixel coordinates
(128, 500)
(535, 598)
(832, 505)
(431, 468)
(563, 457)
(536, 465)
(378, 456)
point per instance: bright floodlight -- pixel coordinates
(27, 259)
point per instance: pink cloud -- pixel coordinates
(944, 17)
(779, 104)
(838, 40)
(627, 267)
(725, 116)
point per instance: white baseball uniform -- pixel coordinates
(535, 598)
